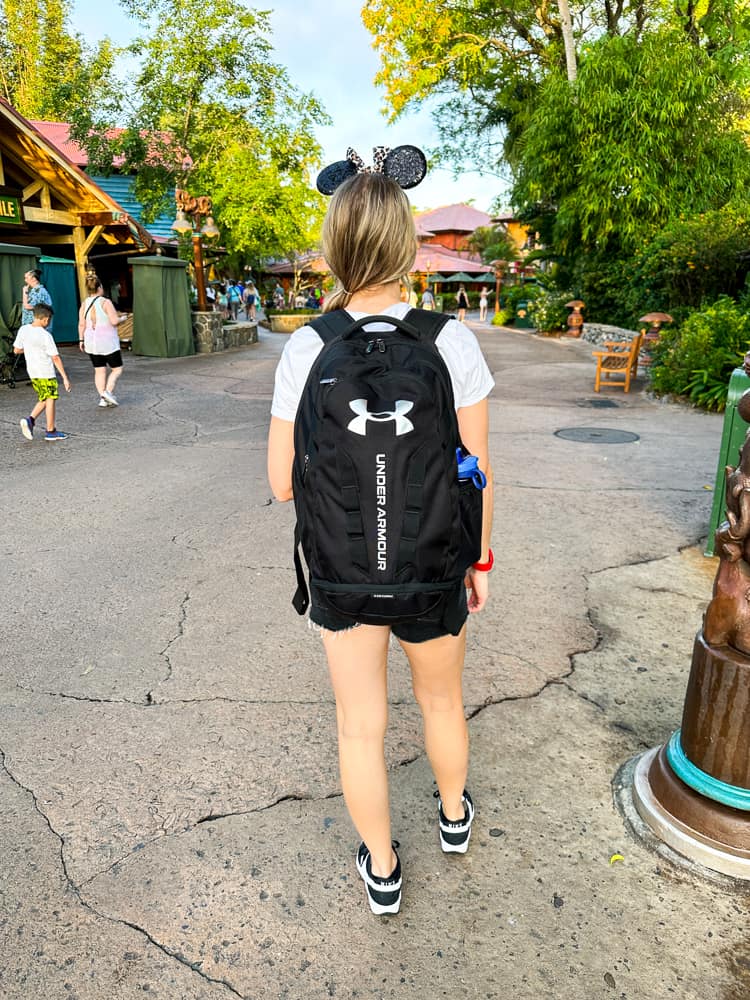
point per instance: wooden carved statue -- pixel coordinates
(727, 620)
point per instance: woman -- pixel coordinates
(250, 296)
(97, 336)
(34, 294)
(483, 304)
(369, 241)
(462, 303)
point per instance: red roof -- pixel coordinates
(454, 218)
(58, 133)
(444, 261)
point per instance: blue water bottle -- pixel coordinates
(468, 468)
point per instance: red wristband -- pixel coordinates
(485, 567)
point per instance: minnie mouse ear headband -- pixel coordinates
(406, 165)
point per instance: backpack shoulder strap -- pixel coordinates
(330, 325)
(427, 323)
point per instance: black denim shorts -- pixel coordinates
(449, 619)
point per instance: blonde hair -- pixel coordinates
(369, 237)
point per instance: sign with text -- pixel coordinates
(11, 213)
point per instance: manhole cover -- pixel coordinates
(598, 404)
(596, 435)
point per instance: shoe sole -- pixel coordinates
(455, 848)
(379, 909)
(57, 439)
(27, 433)
(111, 401)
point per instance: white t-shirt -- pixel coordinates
(38, 350)
(458, 347)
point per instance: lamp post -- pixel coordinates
(191, 213)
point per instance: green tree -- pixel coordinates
(653, 128)
(45, 68)
(207, 108)
(493, 243)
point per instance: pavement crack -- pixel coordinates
(76, 890)
(292, 797)
(169, 952)
(165, 653)
(29, 791)
(84, 698)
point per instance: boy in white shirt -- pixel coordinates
(41, 355)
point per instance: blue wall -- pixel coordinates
(120, 187)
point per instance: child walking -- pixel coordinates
(42, 358)
(369, 241)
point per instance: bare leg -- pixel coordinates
(357, 664)
(100, 379)
(49, 412)
(114, 374)
(40, 406)
(436, 670)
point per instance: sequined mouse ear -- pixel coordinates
(334, 175)
(406, 165)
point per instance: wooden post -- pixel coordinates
(79, 243)
(200, 278)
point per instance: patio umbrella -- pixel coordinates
(460, 277)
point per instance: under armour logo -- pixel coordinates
(359, 424)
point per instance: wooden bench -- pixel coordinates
(617, 364)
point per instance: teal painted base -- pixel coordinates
(703, 783)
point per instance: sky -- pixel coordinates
(326, 50)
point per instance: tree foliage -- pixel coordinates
(493, 243)
(207, 108)
(46, 70)
(651, 138)
(652, 129)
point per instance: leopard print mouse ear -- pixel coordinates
(406, 165)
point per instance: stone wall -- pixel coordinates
(597, 333)
(210, 334)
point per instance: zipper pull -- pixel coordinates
(370, 347)
(381, 346)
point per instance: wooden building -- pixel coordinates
(46, 201)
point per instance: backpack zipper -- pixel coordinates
(372, 344)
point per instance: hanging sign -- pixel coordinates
(11, 212)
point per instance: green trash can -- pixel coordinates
(522, 319)
(732, 439)
(438, 303)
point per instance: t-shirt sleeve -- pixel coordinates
(294, 366)
(50, 347)
(472, 380)
(18, 342)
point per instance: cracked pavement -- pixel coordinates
(170, 814)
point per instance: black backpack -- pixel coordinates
(386, 528)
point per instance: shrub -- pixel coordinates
(503, 317)
(696, 359)
(548, 311)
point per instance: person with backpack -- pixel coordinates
(379, 432)
(234, 299)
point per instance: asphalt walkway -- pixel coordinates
(171, 824)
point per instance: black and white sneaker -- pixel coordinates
(383, 894)
(455, 834)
